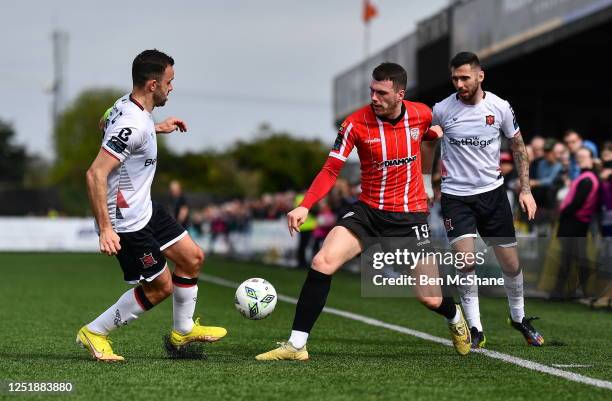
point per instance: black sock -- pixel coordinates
(447, 308)
(312, 300)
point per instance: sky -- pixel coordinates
(238, 63)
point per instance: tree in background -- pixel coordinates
(284, 162)
(13, 158)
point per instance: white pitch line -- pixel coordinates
(538, 367)
(571, 365)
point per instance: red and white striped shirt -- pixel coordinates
(390, 157)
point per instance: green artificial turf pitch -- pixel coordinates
(46, 298)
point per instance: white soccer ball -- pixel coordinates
(255, 299)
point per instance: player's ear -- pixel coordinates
(480, 76)
(152, 85)
(400, 94)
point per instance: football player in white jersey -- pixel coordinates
(473, 197)
(139, 232)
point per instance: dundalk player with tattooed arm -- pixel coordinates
(473, 197)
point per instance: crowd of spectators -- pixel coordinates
(571, 181)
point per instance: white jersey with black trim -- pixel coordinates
(470, 146)
(129, 136)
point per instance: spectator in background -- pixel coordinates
(535, 153)
(606, 190)
(178, 204)
(605, 249)
(510, 175)
(325, 222)
(537, 147)
(340, 199)
(574, 142)
(577, 211)
(305, 235)
(546, 179)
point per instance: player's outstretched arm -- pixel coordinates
(320, 187)
(521, 161)
(170, 125)
(96, 178)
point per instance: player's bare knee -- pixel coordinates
(156, 292)
(166, 289)
(195, 261)
(467, 268)
(324, 264)
(430, 302)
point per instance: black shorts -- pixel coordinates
(371, 225)
(488, 213)
(141, 256)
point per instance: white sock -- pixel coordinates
(469, 299)
(456, 318)
(516, 300)
(298, 338)
(121, 313)
(183, 305)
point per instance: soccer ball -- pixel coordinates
(255, 299)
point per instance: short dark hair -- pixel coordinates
(571, 131)
(391, 72)
(463, 58)
(150, 64)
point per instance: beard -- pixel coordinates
(159, 99)
(385, 110)
(469, 95)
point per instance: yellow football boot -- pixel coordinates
(285, 352)
(206, 334)
(99, 346)
(462, 340)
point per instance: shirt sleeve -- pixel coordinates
(429, 135)
(345, 141)
(121, 139)
(509, 125)
(323, 182)
(436, 118)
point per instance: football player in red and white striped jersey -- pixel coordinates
(387, 134)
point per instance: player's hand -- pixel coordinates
(437, 130)
(109, 242)
(296, 218)
(170, 125)
(528, 204)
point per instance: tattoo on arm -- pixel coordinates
(521, 161)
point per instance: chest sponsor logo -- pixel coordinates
(490, 120)
(396, 162)
(414, 133)
(473, 141)
(372, 140)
